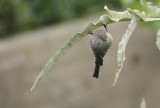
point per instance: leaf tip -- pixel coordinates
(158, 39)
(143, 103)
(114, 83)
(105, 7)
(116, 77)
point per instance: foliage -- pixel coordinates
(149, 13)
(122, 46)
(134, 4)
(7, 18)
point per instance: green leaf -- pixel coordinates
(145, 6)
(105, 19)
(154, 11)
(118, 16)
(150, 11)
(122, 46)
(158, 39)
(136, 13)
(143, 103)
(64, 50)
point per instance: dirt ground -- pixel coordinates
(69, 84)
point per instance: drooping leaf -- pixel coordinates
(143, 103)
(64, 50)
(158, 39)
(122, 46)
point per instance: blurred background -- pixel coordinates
(31, 31)
(24, 15)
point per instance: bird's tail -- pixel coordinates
(98, 62)
(96, 71)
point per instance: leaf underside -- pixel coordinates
(122, 46)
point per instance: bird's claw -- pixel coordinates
(105, 26)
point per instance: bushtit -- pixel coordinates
(100, 43)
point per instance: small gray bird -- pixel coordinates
(100, 43)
